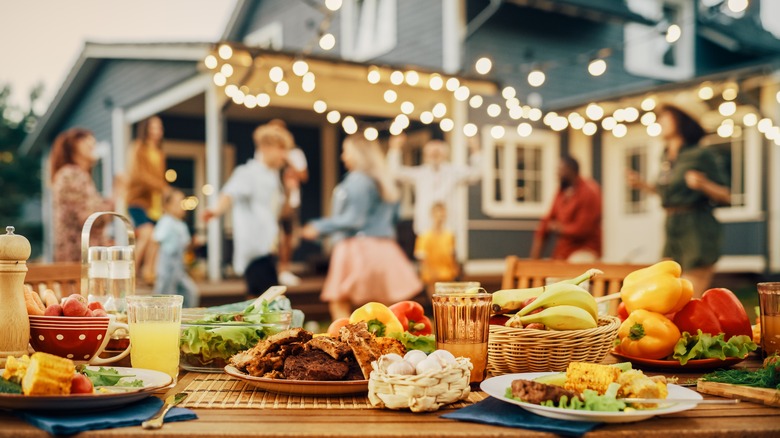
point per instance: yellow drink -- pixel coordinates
(476, 352)
(155, 346)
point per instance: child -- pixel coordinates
(435, 249)
(172, 235)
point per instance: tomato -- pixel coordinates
(80, 384)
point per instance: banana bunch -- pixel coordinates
(564, 305)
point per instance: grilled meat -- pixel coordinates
(333, 347)
(314, 364)
(244, 359)
(535, 392)
(366, 347)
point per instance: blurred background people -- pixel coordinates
(255, 194)
(366, 263)
(144, 196)
(173, 237)
(294, 173)
(74, 194)
(575, 217)
(691, 183)
(435, 249)
(435, 180)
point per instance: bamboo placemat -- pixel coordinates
(221, 391)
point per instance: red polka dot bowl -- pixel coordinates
(81, 339)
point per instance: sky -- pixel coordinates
(40, 40)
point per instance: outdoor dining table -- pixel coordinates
(350, 416)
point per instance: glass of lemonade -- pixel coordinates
(461, 313)
(154, 322)
(769, 301)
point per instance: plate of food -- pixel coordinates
(301, 387)
(539, 398)
(295, 361)
(127, 385)
(674, 364)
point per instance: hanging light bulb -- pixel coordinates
(320, 106)
(494, 110)
(327, 41)
(282, 88)
(439, 110)
(609, 123)
(333, 117)
(648, 119)
(412, 77)
(648, 104)
(516, 112)
(524, 129)
(230, 89)
(620, 130)
(402, 120)
(630, 114)
(594, 111)
(210, 62)
(219, 79)
(597, 67)
(536, 78)
(250, 101)
(589, 128)
(395, 129)
(300, 67)
(673, 33)
(446, 125)
(462, 93)
(276, 74)
(373, 75)
(225, 51)
(535, 114)
(227, 70)
(397, 78)
(475, 101)
(470, 130)
(426, 117)
(483, 65)
(263, 100)
(390, 96)
(453, 84)
(436, 82)
(508, 92)
(349, 124)
(407, 107)
(497, 132)
(371, 133)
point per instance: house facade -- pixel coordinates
(605, 121)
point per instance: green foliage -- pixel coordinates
(20, 175)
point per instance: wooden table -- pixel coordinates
(744, 419)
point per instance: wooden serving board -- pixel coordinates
(767, 396)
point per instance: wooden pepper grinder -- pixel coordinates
(14, 322)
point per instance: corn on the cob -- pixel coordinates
(16, 368)
(581, 376)
(48, 375)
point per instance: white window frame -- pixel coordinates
(267, 37)
(363, 37)
(548, 142)
(642, 42)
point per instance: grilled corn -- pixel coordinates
(15, 368)
(581, 376)
(48, 375)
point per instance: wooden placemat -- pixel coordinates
(221, 391)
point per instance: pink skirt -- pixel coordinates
(364, 269)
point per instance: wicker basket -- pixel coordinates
(420, 393)
(514, 350)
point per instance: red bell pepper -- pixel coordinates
(730, 312)
(412, 317)
(697, 315)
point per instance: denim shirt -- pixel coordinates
(358, 210)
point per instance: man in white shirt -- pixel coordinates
(435, 180)
(254, 191)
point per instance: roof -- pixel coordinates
(595, 10)
(88, 63)
(744, 34)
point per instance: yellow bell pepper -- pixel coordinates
(648, 335)
(380, 319)
(657, 288)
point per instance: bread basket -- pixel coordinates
(423, 392)
(517, 350)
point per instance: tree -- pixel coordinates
(20, 175)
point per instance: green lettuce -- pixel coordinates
(109, 377)
(707, 346)
(426, 343)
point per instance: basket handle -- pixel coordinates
(86, 230)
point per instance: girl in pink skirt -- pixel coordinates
(366, 263)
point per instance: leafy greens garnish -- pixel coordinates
(109, 377)
(706, 346)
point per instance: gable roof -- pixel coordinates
(87, 64)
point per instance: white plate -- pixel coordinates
(302, 387)
(153, 381)
(496, 387)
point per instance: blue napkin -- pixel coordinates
(499, 413)
(68, 423)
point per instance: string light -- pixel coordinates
(333, 5)
(219, 79)
(276, 74)
(453, 84)
(620, 130)
(412, 78)
(349, 124)
(508, 92)
(426, 117)
(497, 132)
(225, 52)
(730, 93)
(737, 6)
(726, 129)
(263, 100)
(395, 129)
(439, 110)
(648, 104)
(320, 106)
(250, 101)
(207, 189)
(373, 75)
(396, 78)
(402, 120)
(597, 67)
(594, 112)
(749, 119)
(230, 89)
(371, 133)
(706, 93)
(494, 110)
(238, 98)
(777, 97)
(512, 102)
(470, 130)
(535, 114)
(390, 96)
(727, 108)
(589, 128)
(654, 130)
(446, 125)
(576, 121)
(282, 88)
(210, 62)
(462, 93)
(764, 125)
(300, 67)
(435, 82)
(524, 129)
(609, 123)
(559, 123)
(516, 112)
(536, 78)
(327, 41)
(227, 70)
(631, 114)
(648, 119)
(549, 117)
(483, 65)
(407, 107)
(475, 101)
(673, 33)
(333, 117)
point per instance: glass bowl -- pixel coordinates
(208, 339)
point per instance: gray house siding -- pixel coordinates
(122, 83)
(517, 37)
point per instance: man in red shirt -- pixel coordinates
(575, 217)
